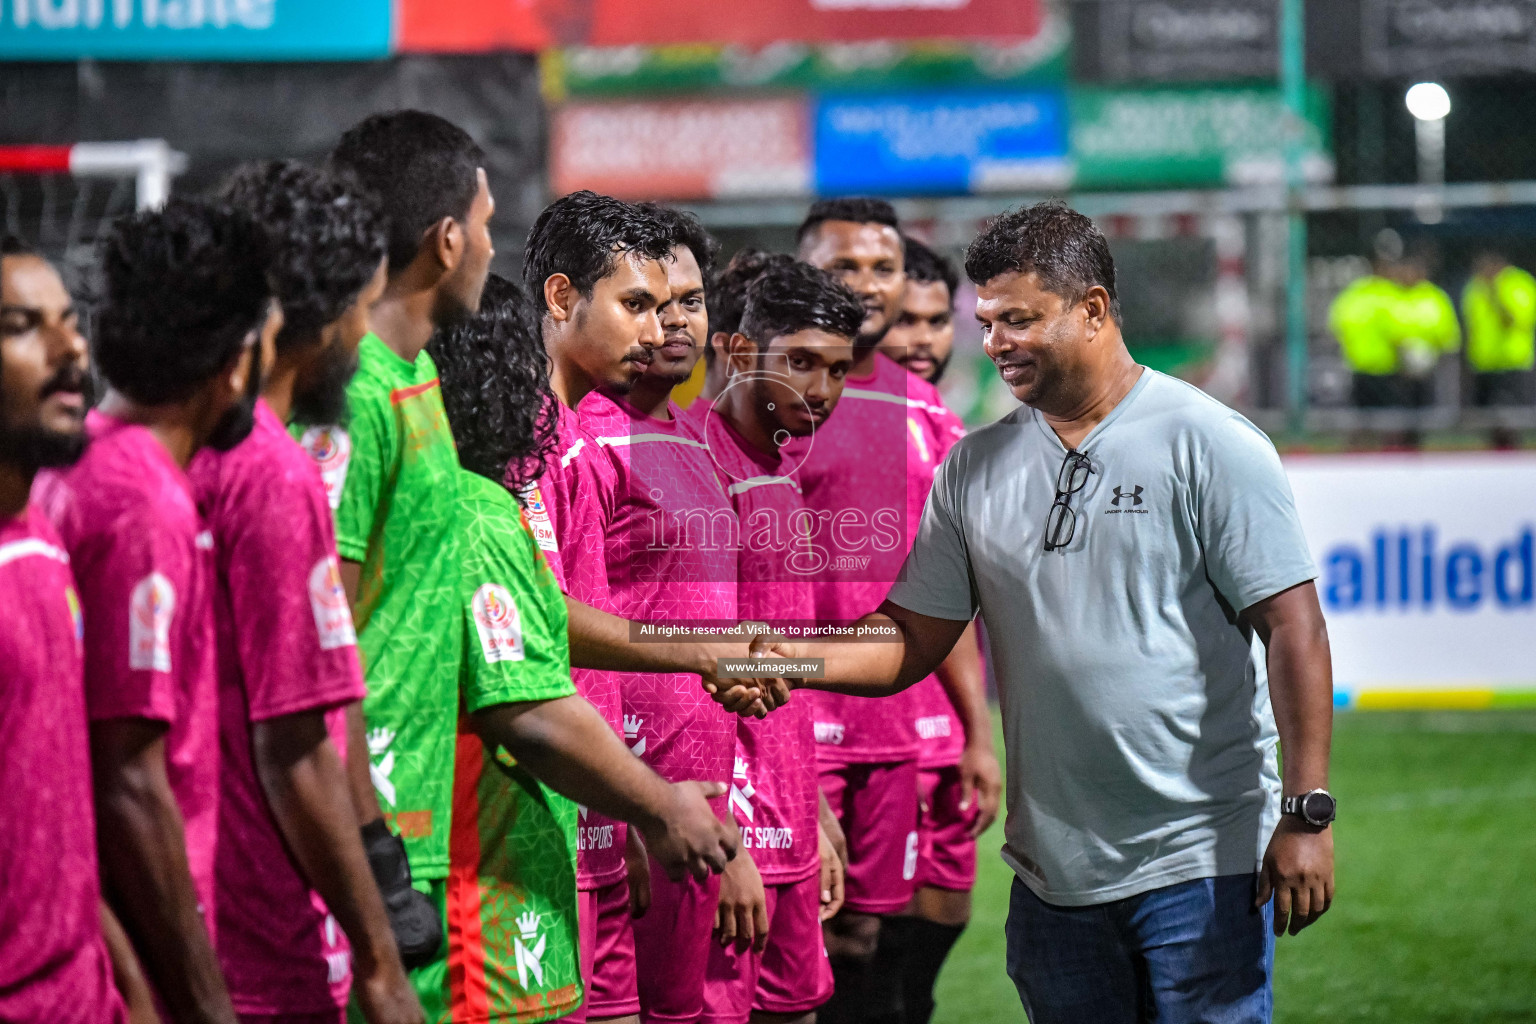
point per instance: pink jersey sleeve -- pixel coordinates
(275, 550)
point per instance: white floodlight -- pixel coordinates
(1428, 101)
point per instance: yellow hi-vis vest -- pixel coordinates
(1385, 328)
(1501, 321)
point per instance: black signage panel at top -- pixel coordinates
(1175, 40)
(1400, 39)
(1157, 41)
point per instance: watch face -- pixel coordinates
(1317, 807)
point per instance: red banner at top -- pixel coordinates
(480, 25)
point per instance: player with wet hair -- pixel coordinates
(528, 744)
(597, 270)
(727, 299)
(290, 865)
(185, 327)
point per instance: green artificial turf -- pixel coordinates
(1435, 915)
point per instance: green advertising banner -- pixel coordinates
(1192, 137)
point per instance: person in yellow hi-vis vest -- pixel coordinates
(1393, 326)
(1499, 308)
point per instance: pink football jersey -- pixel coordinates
(866, 473)
(142, 561)
(773, 785)
(670, 549)
(286, 645)
(576, 496)
(53, 963)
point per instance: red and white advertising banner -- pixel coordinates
(478, 25)
(708, 149)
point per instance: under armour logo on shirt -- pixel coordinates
(1134, 495)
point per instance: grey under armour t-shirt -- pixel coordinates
(1141, 746)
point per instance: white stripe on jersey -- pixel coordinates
(31, 546)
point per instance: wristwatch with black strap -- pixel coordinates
(1316, 807)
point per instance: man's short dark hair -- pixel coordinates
(1054, 242)
(857, 209)
(11, 245)
(495, 381)
(420, 166)
(583, 235)
(325, 239)
(183, 287)
(928, 267)
(686, 230)
(726, 296)
(791, 297)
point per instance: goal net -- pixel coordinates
(62, 199)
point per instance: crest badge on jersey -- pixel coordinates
(497, 622)
(538, 518)
(150, 608)
(331, 449)
(328, 600)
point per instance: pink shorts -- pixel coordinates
(946, 853)
(791, 976)
(877, 806)
(607, 953)
(672, 942)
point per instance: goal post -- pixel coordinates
(63, 199)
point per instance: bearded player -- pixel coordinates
(291, 866)
(785, 366)
(868, 472)
(181, 339)
(923, 337)
(54, 962)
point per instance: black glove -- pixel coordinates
(412, 918)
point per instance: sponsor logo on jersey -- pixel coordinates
(381, 769)
(150, 608)
(528, 949)
(932, 727)
(328, 600)
(538, 518)
(632, 737)
(331, 449)
(594, 837)
(497, 622)
(829, 732)
(338, 962)
(742, 792)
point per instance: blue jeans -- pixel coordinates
(1192, 953)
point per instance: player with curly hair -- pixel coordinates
(185, 328)
(290, 864)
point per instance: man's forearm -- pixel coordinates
(307, 788)
(603, 641)
(879, 668)
(1301, 691)
(127, 972)
(568, 746)
(963, 680)
(365, 799)
(144, 867)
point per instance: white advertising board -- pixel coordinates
(1428, 574)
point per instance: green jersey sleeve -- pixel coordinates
(371, 438)
(514, 618)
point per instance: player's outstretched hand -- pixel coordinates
(981, 781)
(687, 838)
(741, 917)
(1298, 871)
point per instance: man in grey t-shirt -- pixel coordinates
(1125, 537)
